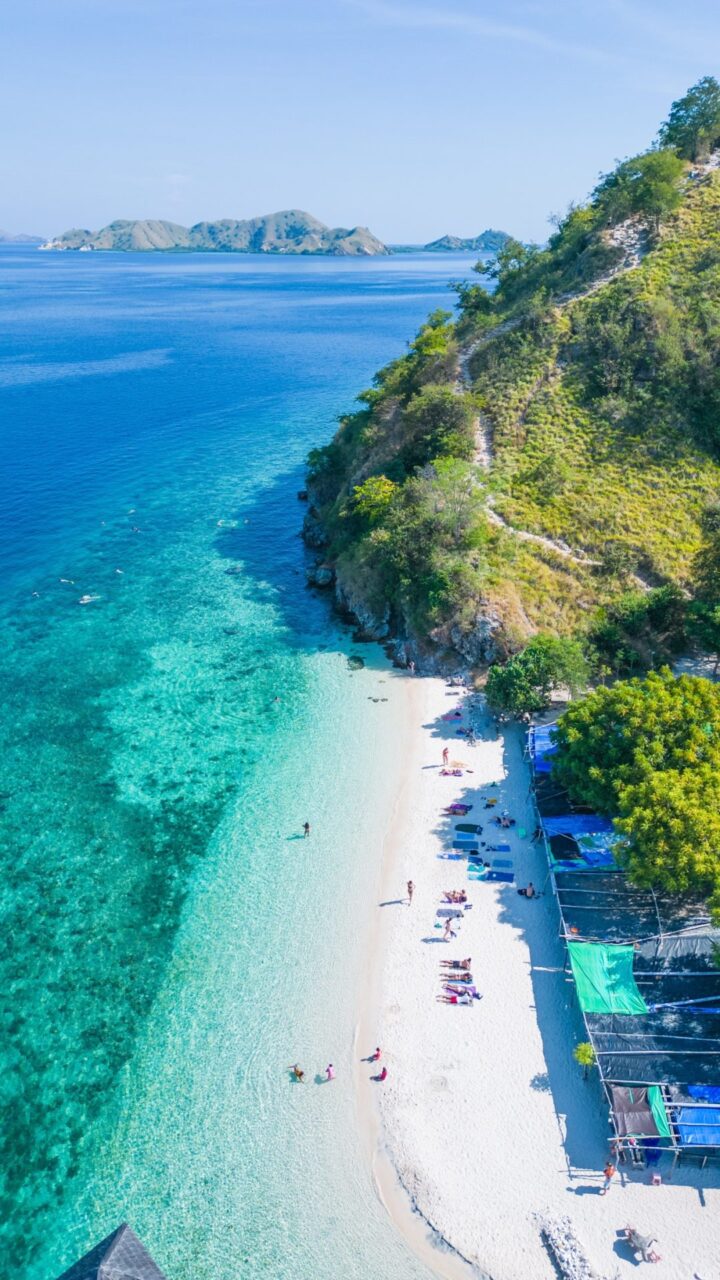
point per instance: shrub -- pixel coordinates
(526, 682)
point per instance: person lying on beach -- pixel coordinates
(530, 892)
(456, 977)
(503, 821)
(457, 964)
(472, 992)
(454, 1000)
(455, 895)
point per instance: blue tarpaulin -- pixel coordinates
(576, 824)
(698, 1126)
(705, 1092)
(593, 835)
(541, 747)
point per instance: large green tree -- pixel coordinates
(647, 187)
(672, 824)
(693, 125)
(647, 753)
(526, 682)
(618, 737)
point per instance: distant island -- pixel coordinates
(289, 232)
(10, 237)
(488, 241)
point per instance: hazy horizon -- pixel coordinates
(412, 120)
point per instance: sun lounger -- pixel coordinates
(500, 864)
(453, 910)
(468, 828)
(505, 877)
(466, 846)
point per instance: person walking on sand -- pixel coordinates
(329, 1071)
(449, 932)
(608, 1174)
(410, 892)
(446, 755)
(306, 829)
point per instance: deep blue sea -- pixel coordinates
(175, 705)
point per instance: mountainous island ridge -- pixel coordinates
(291, 231)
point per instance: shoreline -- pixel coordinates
(428, 1244)
(485, 1120)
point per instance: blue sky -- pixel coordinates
(414, 119)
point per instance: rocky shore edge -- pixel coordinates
(449, 650)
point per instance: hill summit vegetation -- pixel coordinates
(548, 461)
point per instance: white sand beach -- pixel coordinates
(484, 1114)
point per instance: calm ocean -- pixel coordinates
(168, 946)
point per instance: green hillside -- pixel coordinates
(554, 453)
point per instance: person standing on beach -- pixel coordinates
(446, 755)
(411, 668)
(306, 829)
(329, 1071)
(410, 892)
(608, 1174)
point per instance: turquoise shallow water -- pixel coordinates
(166, 946)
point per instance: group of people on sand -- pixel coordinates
(457, 983)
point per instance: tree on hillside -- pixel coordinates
(646, 187)
(371, 499)
(526, 682)
(619, 737)
(704, 611)
(693, 125)
(439, 423)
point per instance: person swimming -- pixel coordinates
(297, 1073)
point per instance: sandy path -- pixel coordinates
(485, 1115)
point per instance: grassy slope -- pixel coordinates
(590, 469)
(603, 437)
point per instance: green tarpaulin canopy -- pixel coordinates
(604, 978)
(657, 1106)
